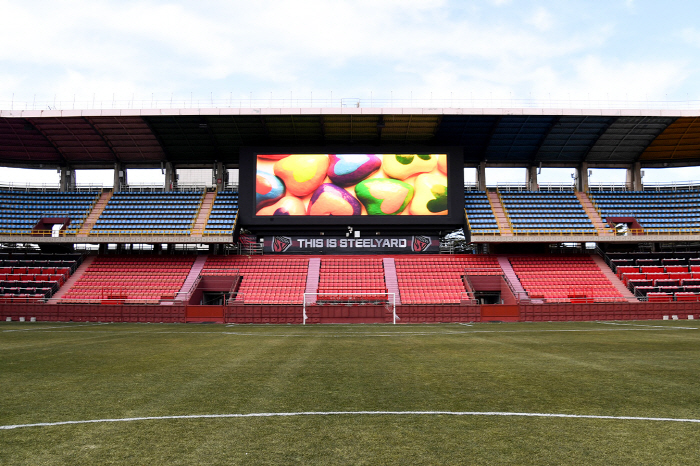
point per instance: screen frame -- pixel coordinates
(246, 192)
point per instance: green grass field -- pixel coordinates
(54, 372)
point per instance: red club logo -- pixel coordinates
(421, 243)
(281, 243)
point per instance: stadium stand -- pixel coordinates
(534, 212)
(656, 212)
(222, 219)
(21, 212)
(341, 277)
(565, 279)
(451, 287)
(32, 278)
(439, 279)
(264, 280)
(137, 213)
(480, 216)
(131, 278)
(660, 277)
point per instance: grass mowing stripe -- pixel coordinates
(354, 413)
(381, 334)
(614, 387)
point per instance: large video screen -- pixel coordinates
(351, 184)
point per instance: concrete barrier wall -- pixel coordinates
(292, 314)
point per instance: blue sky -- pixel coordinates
(619, 50)
(615, 53)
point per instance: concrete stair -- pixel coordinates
(512, 276)
(95, 213)
(312, 278)
(185, 291)
(392, 282)
(610, 275)
(592, 213)
(71, 280)
(204, 211)
(499, 213)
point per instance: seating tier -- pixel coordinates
(134, 213)
(342, 278)
(438, 279)
(20, 211)
(537, 212)
(656, 212)
(142, 279)
(480, 216)
(565, 279)
(264, 280)
(222, 219)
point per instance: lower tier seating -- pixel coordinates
(33, 277)
(136, 278)
(264, 280)
(565, 279)
(438, 279)
(341, 278)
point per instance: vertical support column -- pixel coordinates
(119, 177)
(634, 176)
(582, 177)
(481, 176)
(219, 176)
(170, 177)
(67, 179)
(532, 178)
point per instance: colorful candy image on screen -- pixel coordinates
(351, 184)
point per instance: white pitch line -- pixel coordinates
(647, 325)
(618, 328)
(355, 413)
(62, 327)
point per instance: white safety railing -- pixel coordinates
(328, 100)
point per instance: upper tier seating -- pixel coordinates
(656, 212)
(565, 279)
(33, 277)
(264, 280)
(134, 213)
(137, 278)
(536, 212)
(479, 213)
(342, 277)
(20, 211)
(438, 279)
(222, 219)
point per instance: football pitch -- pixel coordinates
(493, 393)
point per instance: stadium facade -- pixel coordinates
(349, 215)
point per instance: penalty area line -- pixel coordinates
(354, 413)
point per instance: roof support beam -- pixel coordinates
(64, 161)
(67, 182)
(481, 176)
(102, 136)
(634, 176)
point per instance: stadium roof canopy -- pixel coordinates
(100, 138)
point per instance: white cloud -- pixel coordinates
(541, 19)
(691, 36)
(354, 47)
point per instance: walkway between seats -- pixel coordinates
(610, 275)
(390, 279)
(71, 280)
(196, 269)
(512, 277)
(312, 278)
